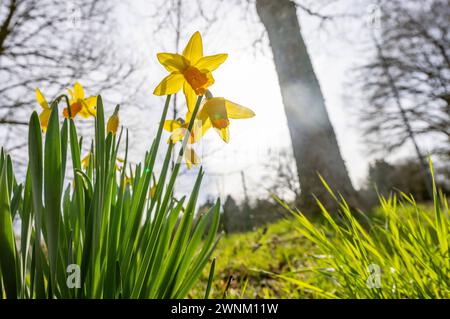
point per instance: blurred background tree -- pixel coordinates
(405, 176)
(314, 142)
(50, 44)
(406, 83)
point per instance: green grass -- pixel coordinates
(250, 258)
(338, 255)
(401, 252)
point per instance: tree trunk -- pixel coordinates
(313, 139)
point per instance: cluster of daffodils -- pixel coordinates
(192, 72)
(77, 104)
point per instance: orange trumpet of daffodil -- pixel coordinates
(191, 71)
(86, 107)
(216, 112)
(46, 110)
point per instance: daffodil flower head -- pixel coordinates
(46, 110)
(191, 71)
(86, 107)
(113, 121)
(217, 111)
(179, 128)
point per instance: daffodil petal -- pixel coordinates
(91, 102)
(41, 99)
(44, 117)
(236, 111)
(215, 108)
(196, 132)
(224, 134)
(84, 113)
(194, 49)
(171, 125)
(177, 135)
(170, 84)
(211, 62)
(85, 161)
(191, 97)
(188, 117)
(78, 91)
(173, 62)
(89, 107)
(188, 162)
(191, 157)
(204, 121)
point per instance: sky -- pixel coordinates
(248, 77)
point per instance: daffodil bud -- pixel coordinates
(113, 121)
(152, 192)
(85, 161)
(46, 110)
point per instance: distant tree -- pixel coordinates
(406, 83)
(408, 178)
(231, 219)
(405, 176)
(284, 183)
(315, 147)
(266, 211)
(381, 177)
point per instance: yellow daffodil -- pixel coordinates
(216, 112)
(46, 110)
(179, 129)
(86, 107)
(119, 163)
(191, 71)
(127, 181)
(153, 188)
(113, 122)
(191, 157)
(85, 161)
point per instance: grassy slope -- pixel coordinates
(409, 244)
(277, 248)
